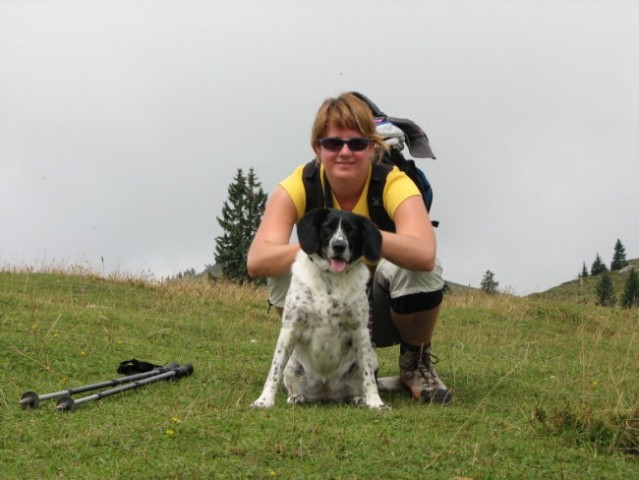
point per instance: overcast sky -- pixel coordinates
(123, 122)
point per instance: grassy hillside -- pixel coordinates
(584, 290)
(543, 389)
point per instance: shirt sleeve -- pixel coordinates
(398, 188)
(294, 186)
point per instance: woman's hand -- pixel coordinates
(271, 254)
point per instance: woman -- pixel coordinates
(408, 285)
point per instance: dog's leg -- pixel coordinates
(282, 353)
(365, 355)
(295, 380)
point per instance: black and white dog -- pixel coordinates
(324, 352)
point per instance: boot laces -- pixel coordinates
(424, 365)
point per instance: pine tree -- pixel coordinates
(255, 203)
(630, 296)
(584, 271)
(488, 283)
(605, 293)
(598, 267)
(241, 215)
(619, 257)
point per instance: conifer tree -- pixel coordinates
(630, 298)
(584, 271)
(605, 291)
(488, 283)
(619, 257)
(598, 267)
(241, 215)
(255, 203)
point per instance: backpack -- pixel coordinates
(418, 146)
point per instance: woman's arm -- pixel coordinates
(271, 254)
(414, 245)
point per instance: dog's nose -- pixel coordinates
(339, 245)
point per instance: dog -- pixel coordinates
(324, 351)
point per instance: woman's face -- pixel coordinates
(345, 163)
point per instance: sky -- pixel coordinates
(123, 122)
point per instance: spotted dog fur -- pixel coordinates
(324, 352)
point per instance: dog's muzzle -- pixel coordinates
(338, 254)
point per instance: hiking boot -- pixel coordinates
(418, 376)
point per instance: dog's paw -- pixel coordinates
(262, 403)
(373, 405)
(359, 401)
(380, 406)
(296, 400)
(376, 404)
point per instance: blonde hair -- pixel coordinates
(346, 112)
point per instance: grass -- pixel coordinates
(542, 389)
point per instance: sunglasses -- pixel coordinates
(335, 144)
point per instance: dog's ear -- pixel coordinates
(308, 230)
(372, 240)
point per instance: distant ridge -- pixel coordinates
(583, 290)
(458, 288)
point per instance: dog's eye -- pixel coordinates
(326, 232)
(347, 228)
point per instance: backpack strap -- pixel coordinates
(375, 198)
(316, 197)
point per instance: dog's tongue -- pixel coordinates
(338, 265)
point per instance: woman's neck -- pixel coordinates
(347, 192)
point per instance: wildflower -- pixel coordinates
(170, 433)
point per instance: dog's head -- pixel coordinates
(339, 237)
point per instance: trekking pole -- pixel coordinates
(32, 399)
(66, 404)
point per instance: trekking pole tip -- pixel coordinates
(30, 400)
(65, 404)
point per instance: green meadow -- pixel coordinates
(545, 386)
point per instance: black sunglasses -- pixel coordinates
(335, 144)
